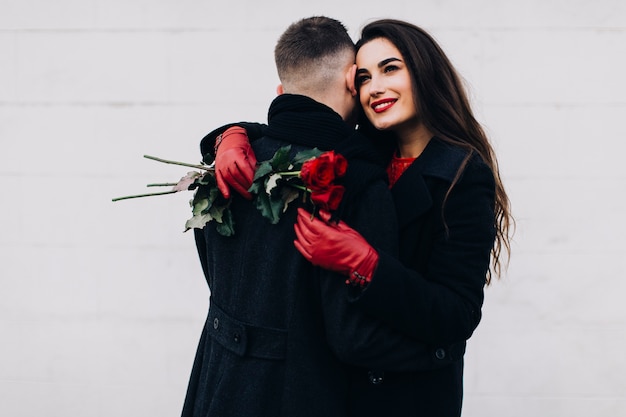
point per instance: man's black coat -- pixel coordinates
(277, 326)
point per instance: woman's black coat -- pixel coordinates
(434, 292)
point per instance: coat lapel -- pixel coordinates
(411, 195)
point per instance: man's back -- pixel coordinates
(277, 324)
(263, 350)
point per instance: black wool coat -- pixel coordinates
(280, 331)
(434, 292)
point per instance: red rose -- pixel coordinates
(341, 165)
(329, 198)
(319, 173)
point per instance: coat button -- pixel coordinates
(236, 337)
(376, 377)
(216, 323)
(440, 353)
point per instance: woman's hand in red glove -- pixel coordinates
(336, 247)
(235, 162)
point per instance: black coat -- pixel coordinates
(279, 331)
(434, 293)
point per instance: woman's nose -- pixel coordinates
(376, 86)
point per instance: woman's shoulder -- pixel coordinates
(443, 160)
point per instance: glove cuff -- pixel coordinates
(233, 130)
(362, 276)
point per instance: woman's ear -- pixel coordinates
(279, 89)
(351, 80)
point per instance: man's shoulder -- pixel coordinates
(207, 144)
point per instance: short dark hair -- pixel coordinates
(311, 45)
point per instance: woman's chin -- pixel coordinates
(382, 126)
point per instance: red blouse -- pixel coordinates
(396, 167)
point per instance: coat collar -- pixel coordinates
(411, 193)
(440, 159)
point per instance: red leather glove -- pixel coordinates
(235, 162)
(336, 247)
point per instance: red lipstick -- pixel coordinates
(380, 106)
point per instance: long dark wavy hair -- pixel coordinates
(445, 110)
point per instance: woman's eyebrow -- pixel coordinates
(380, 64)
(388, 60)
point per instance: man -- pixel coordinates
(279, 332)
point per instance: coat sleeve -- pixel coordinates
(355, 336)
(442, 305)
(253, 129)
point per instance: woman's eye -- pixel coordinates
(390, 68)
(361, 79)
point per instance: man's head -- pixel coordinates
(315, 57)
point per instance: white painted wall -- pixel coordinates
(101, 303)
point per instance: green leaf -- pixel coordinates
(213, 195)
(289, 194)
(227, 226)
(305, 155)
(198, 221)
(256, 187)
(280, 161)
(216, 212)
(270, 208)
(185, 182)
(262, 170)
(199, 204)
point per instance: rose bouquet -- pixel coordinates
(277, 182)
(280, 181)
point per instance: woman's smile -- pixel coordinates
(380, 106)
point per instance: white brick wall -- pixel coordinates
(101, 304)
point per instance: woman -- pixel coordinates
(452, 210)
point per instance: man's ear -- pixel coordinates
(350, 80)
(280, 90)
